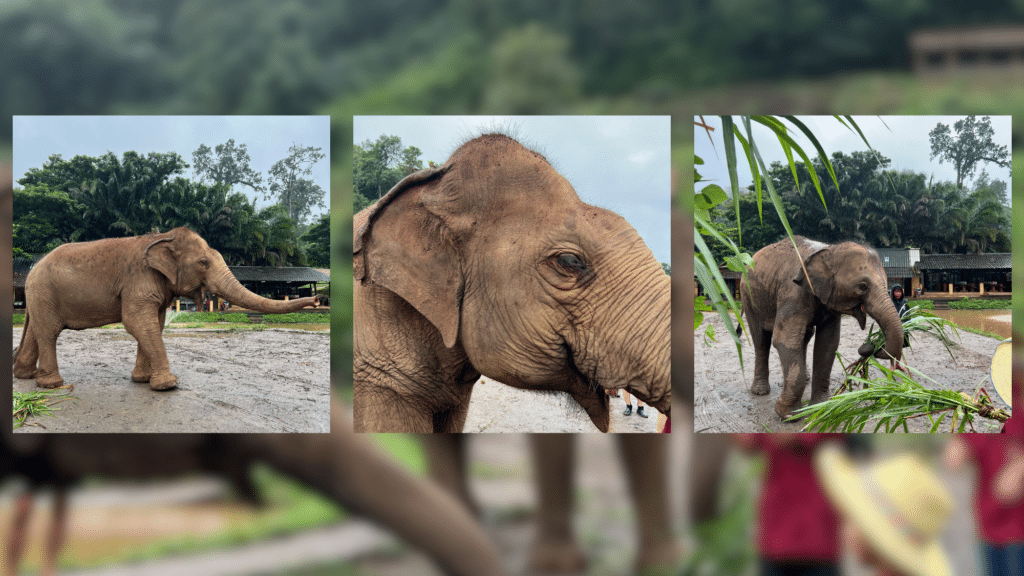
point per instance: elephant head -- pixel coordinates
(190, 265)
(541, 291)
(849, 279)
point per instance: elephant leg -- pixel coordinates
(143, 370)
(825, 345)
(19, 533)
(791, 345)
(143, 322)
(762, 348)
(28, 354)
(555, 549)
(708, 455)
(646, 457)
(446, 461)
(48, 375)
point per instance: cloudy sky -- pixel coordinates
(620, 163)
(267, 139)
(902, 139)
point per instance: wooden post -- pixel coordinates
(177, 304)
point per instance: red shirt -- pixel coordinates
(795, 520)
(999, 524)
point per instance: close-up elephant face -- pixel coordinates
(542, 291)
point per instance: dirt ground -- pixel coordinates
(722, 392)
(496, 407)
(274, 380)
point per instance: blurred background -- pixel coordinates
(489, 57)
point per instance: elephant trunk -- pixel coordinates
(348, 469)
(883, 311)
(223, 283)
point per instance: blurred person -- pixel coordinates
(893, 511)
(902, 309)
(797, 528)
(998, 461)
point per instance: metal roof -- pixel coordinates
(998, 261)
(274, 274)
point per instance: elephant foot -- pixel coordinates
(164, 382)
(659, 560)
(50, 381)
(817, 398)
(140, 377)
(557, 558)
(25, 372)
(760, 387)
(785, 411)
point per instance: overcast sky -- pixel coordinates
(902, 139)
(620, 163)
(267, 140)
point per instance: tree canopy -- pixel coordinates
(379, 165)
(971, 145)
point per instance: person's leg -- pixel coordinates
(629, 402)
(640, 408)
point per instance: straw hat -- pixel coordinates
(1001, 372)
(898, 504)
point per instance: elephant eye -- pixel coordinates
(571, 263)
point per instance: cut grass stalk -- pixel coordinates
(37, 403)
(893, 400)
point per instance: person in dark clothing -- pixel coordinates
(902, 308)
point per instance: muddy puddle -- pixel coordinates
(724, 403)
(994, 321)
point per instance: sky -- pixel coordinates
(620, 163)
(267, 140)
(902, 139)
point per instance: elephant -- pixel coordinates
(341, 465)
(555, 549)
(786, 306)
(491, 265)
(130, 280)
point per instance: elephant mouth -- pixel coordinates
(588, 395)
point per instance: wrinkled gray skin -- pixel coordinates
(492, 265)
(555, 548)
(785, 309)
(341, 465)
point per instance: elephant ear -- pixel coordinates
(405, 247)
(160, 256)
(820, 269)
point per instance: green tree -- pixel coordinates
(318, 243)
(972, 144)
(379, 165)
(44, 218)
(226, 164)
(296, 193)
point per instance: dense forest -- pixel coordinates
(884, 208)
(183, 56)
(88, 198)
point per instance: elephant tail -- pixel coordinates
(24, 331)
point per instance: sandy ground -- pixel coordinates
(274, 380)
(604, 522)
(496, 407)
(722, 392)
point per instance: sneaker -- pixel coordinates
(629, 410)
(640, 412)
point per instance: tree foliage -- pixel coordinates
(298, 195)
(226, 164)
(971, 145)
(318, 242)
(380, 164)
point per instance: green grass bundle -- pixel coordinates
(892, 400)
(35, 403)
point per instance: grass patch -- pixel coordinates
(184, 317)
(38, 403)
(291, 508)
(980, 332)
(979, 304)
(405, 449)
(19, 318)
(297, 318)
(922, 304)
